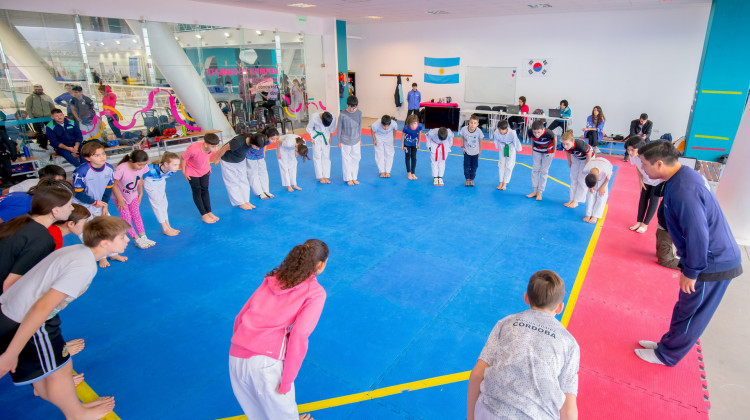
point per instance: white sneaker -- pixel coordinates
(140, 243)
(148, 241)
(440, 181)
(435, 181)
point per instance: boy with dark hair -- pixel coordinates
(30, 325)
(320, 128)
(49, 171)
(65, 137)
(471, 144)
(543, 144)
(383, 136)
(439, 141)
(709, 255)
(349, 132)
(599, 172)
(529, 366)
(413, 99)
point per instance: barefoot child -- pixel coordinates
(93, 183)
(383, 137)
(288, 148)
(321, 128)
(579, 154)
(349, 132)
(128, 192)
(507, 144)
(155, 184)
(649, 200)
(471, 145)
(25, 240)
(410, 144)
(543, 144)
(529, 366)
(256, 171)
(439, 141)
(270, 335)
(196, 168)
(234, 170)
(599, 172)
(30, 324)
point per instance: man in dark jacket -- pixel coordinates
(709, 255)
(640, 127)
(65, 137)
(8, 153)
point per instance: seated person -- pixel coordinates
(640, 127)
(65, 137)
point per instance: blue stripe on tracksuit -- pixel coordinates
(690, 317)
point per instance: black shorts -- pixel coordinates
(43, 354)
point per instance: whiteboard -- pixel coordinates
(490, 85)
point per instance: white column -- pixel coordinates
(733, 191)
(27, 61)
(182, 77)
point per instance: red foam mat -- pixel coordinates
(627, 297)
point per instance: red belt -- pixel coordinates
(442, 147)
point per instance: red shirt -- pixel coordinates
(56, 236)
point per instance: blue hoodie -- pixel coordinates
(698, 228)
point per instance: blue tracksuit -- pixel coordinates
(708, 253)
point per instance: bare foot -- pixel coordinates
(355, 182)
(382, 174)
(207, 218)
(414, 177)
(574, 205)
(100, 410)
(539, 197)
(118, 257)
(246, 206)
(635, 226)
(328, 181)
(387, 175)
(77, 379)
(103, 263)
(99, 401)
(505, 186)
(500, 187)
(322, 180)
(592, 219)
(350, 183)
(532, 195)
(296, 188)
(305, 417)
(213, 216)
(171, 232)
(75, 346)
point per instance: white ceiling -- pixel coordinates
(356, 11)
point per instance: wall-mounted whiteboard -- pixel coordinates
(490, 85)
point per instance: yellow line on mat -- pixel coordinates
(711, 137)
(460, 376)
(725, 92)
(86, 394)
(576, 290)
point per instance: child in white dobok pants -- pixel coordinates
(507, 144)
(320, 129)
(256, 170)
(579, 154)
(383, 133)
(289, 147)
(439, 141)
(599, 172)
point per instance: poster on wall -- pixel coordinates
(133, 61)
(537, 67)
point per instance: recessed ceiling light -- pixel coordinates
(227, 34)
(135, 40)
(198, 36)
(176, 38)
(300, 5)
(117, 42)
(374, 17)
(259, 32)
(88, 44)
(436, 12)
(101, 43)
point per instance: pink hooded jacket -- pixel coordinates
(109, 99)
(276, 323)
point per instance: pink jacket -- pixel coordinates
(109, 99)
(276, 323)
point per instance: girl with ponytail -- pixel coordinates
(128, 191)
(270, 336)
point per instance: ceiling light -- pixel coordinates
(227, 34)
(117, 42)
(135, 40)
(176, 38)
(88, 44)
(436, 12)
(374, 17)
(300, 5)
(101, 43)
(259, 32)
(198, 36)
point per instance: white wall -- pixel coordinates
(626, 61)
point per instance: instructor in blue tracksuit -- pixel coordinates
(709, 255)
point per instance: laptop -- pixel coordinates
(555, 112)
(689, 162)
(513, 109)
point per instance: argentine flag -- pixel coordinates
(441, 70)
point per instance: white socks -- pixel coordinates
(648, 355)
(648, 344)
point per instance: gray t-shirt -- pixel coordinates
(349, 128)
(68, 270)
(533, 362)
(472, 141)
